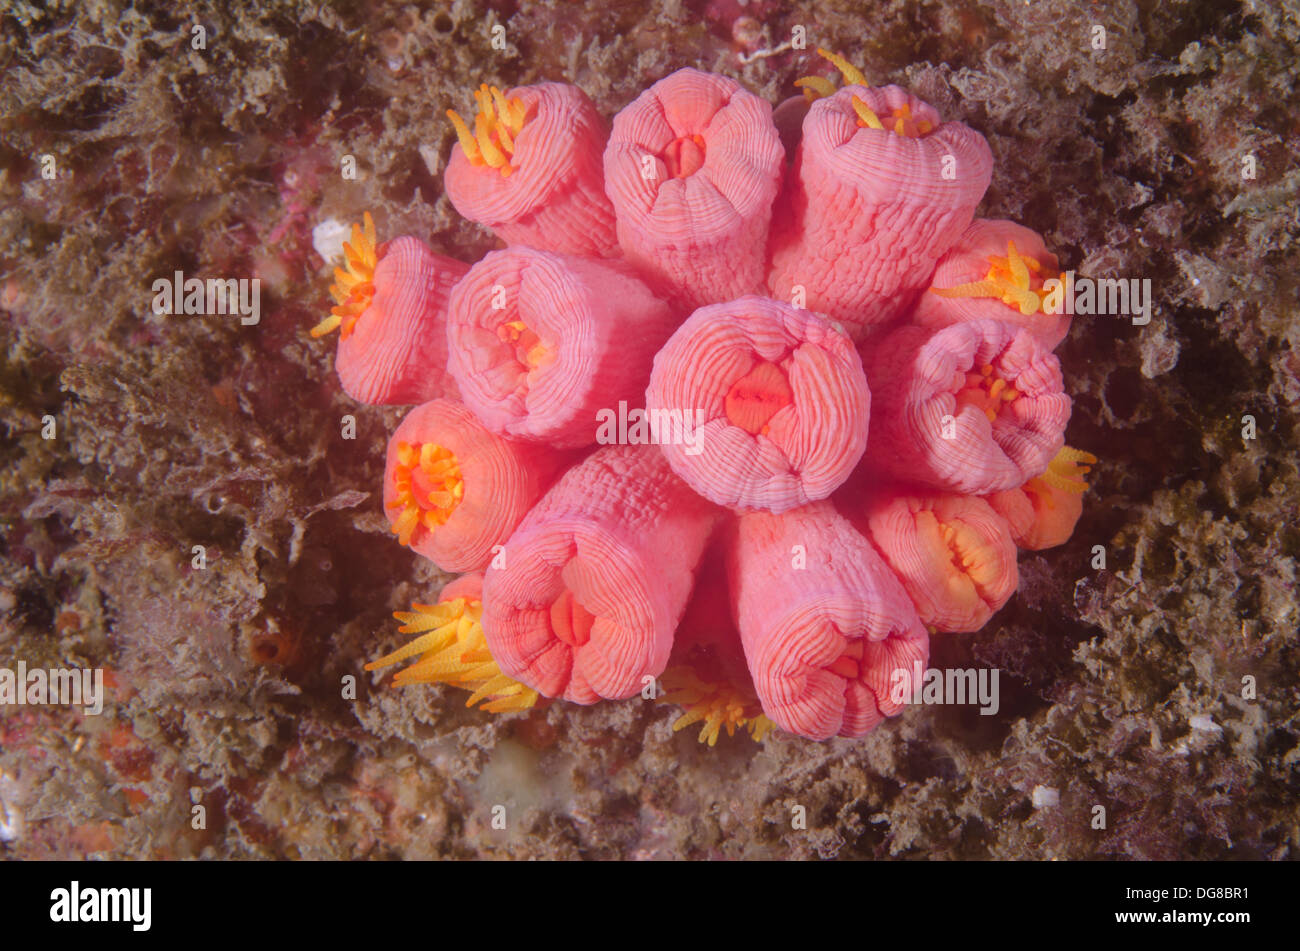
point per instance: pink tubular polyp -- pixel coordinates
(589, 589)
(782, 398)
(867, 212)
(824, 623)
(396, 352)
(541, 343)
(692, 167)
(973, 408)
(554, 197)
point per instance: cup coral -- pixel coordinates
(531, 169)
(782, 397)
(880, 188)
(1042, 513)
(995, 270)
(824, 638)
(707, 674)
(540, 342)
(805, 482)
(976, 407)
(597, 576)
(392, 320)
(953, 553)
(692, 168)
(453, 490)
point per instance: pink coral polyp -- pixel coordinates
(453, 490)
(825, 634)
(1042, 513)
(584, 600)
(554, 196)
(816, 476)
(396, 352)
(975, 408)
(540, 342)
(953, 553)
(868, 211)
(692, 168)
(996, 271)
(782, 397)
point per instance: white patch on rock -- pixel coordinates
(328, 237)
(11, 817)
(1045, 797)
(432, 159)
(1204, 723)
(1159, 352)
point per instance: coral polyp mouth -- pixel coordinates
(758, 396)
(1017, 280)
(353, 289)
(985, 390)
(971, 554)
(530, 352)
(429, 488)
(684, 156)
(899, 121)
(571, 622)
(849, 664)
(496, 124)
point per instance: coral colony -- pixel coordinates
(740, 419)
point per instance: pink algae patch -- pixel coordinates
(757, 396)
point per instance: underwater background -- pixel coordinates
(1164, 686)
